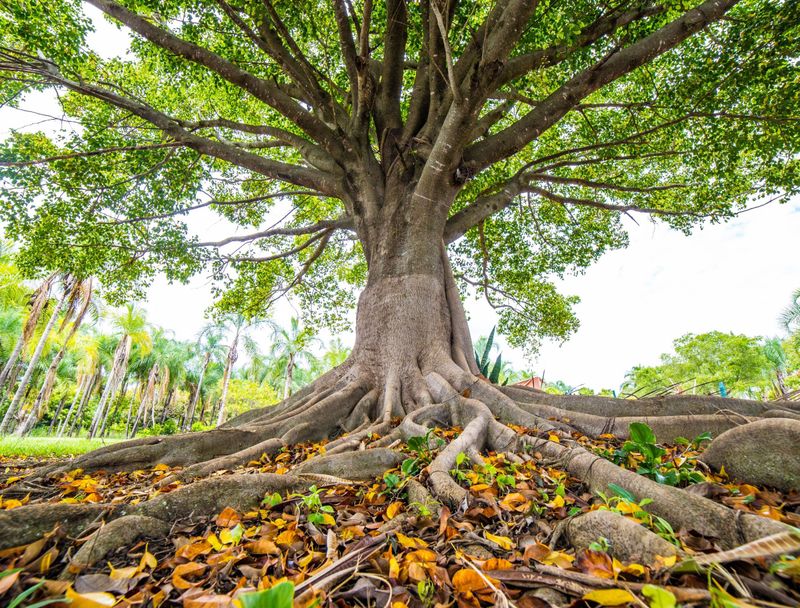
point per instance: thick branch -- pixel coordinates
(259, 88)
(604, 26)
(514, 138)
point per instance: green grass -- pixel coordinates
(54, 447)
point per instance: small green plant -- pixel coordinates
(315, 511)
(654, 462)
(278, 596)
(17, 600)
(422, 509)
(423, 448)
(623, 502)
(493, 372)
(427, 592)
(601, 544)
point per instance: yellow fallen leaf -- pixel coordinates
(328, 519)
(90, 600)
(610, 597)
(515, 502)
(263, 546)
(502, 541)
(409, 542)
(148, 560)
(557, 502)
(394, 568)
(393, 509)
(287, 537)
(214, 541)
(554, 438)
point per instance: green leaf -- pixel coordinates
(621, 492)
(641, 433)
(658, 597)
(279, 596)
(17, 601)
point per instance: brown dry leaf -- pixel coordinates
(8, 581)
(228, 518)
(208, 600)
(191, 569)
(783, 542)
(263, 546)
(596, 563)
(192, 550)
(497, 563)
(515, 502)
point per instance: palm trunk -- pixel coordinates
(147, 395)
(287, 385)
(189, 417)
(225, 381)
(57, 414)
(115, 375)
(87, 396)
(5, 425)
(12, 361)
(78, 392)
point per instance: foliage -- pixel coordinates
(201, 113)
(701, 362)
(648, 458)
(625, 503)
(493, 372)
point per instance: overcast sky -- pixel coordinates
(733, 277)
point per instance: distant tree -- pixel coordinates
(290, 347)
(790, 317)
(132, 328)
(700, 362)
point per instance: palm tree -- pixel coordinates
(22, 388)
(88, 370)
(790, 317)
(79, 301)
(38, 302)
(289, 348)
(773, 350)
(132, 328)
(210, 344)
(236, 326)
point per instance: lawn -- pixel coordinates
(50, 446)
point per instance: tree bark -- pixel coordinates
(287, 384)
(5, 425)
(189, 417)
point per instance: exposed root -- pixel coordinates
(363, 464)
(113, 535)
(440, 395)
(628, 540)
(26, 524)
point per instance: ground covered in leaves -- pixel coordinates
(372, 544)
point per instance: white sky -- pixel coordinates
(733, 277)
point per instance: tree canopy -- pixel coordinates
(537, 125)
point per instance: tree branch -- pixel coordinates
(326, 225)
(514, 138)
(259, 88)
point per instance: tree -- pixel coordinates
(22, 387)
(290, 348)
(790, 317)
(78, 301)
(210, 344)
(409, 149)
(131, 325)
(701, 362)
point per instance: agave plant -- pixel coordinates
(483, 360)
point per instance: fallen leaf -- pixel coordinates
(393, 509)
(659, 597)
(227, 518)
(191, 569)
(502, 541)
(610, 597)
(468, 581)
(90, 600)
